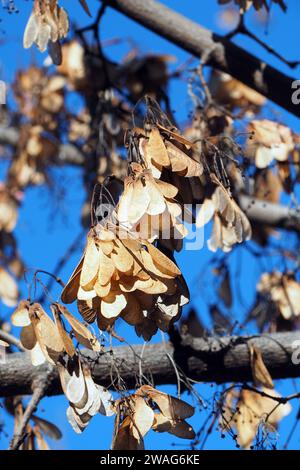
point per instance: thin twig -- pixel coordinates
(38, 393)
(242, 29)
(280, 400)
(61, 263)
(9, 338)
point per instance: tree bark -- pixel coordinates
(222, 53)
(219, 360)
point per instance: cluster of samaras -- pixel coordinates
(48, 340)
(122, 273)
(148, 408)
(47, 25)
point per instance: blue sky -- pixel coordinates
(48, 225)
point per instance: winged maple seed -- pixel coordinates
(8, 209)
(40, 96)
(47, 24)
(119, 276)
(47, 340)
(147, 207)
(269, 140)
(284, 291)
(86, 398)
(246, 411)
(34, 153)
(9, 292)
(230, 226)
(149, 409)
(161, 146)
(145, 74)
(230, 92)
(260, 373)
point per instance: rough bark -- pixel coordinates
(218, 360)
(222, 53)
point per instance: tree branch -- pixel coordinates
(37, 395)
(9, 338)
(269, 213)
(222, 53)
(220, 360)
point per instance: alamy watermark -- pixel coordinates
(296, 93)
(296, 352)
(164, 226)
(2, 354)
(2, 92)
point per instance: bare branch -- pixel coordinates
(38, 390)
(269, 213)
(223, 54)
(11, 340)
(220, 360)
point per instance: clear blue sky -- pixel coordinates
(47, 225)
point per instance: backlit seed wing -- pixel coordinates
(162, 262)
(20, 317)
(156, 149)
(46, 333)
(177, 137)
(113, 304)
(31, 31)
(81, 332)
(67, 342)
(157, 203)
(171, 407)
(106, 269)
(90, 265)
(43, 37)
(121, 257)
(168, 190)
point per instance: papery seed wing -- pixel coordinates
(142, 418)
(48, 428)
(67, 342)
(81, 332)
(20, 317)
(28, 337)
(90, 265)
(31, 31)
(156, 149)
(44, 33)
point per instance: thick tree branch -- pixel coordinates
(219, 360)
(220, 52)
(269, 213)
